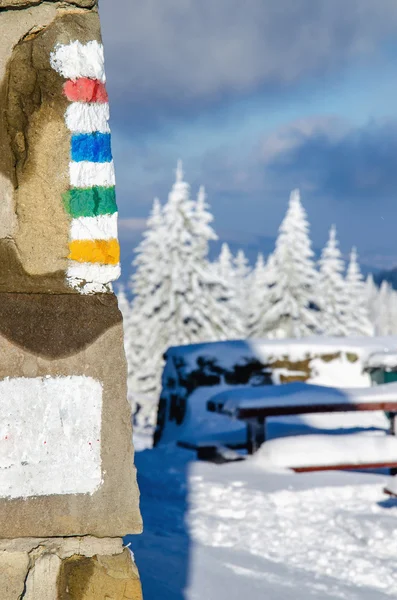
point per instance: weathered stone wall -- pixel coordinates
(68, 569)
(66, 454)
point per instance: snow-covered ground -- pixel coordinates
(226, 532)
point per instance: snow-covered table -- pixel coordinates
(254, 405)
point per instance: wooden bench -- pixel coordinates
(254, 412)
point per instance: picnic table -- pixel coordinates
(254, 405)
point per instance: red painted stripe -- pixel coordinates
(85, 90)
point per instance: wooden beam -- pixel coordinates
(275, 411)
(346, 467)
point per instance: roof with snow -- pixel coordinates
(228, 353)
(302, 394)
(382, 360)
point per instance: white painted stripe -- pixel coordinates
(87, 272)
(76, 60)
(50, 436)
(87, 174)
(103, 227)
(82, 117)
(90, 288)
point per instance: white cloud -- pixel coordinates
(293, 135)
(173, 51)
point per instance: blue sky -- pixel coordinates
(259, 97)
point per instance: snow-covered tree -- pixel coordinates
(332, 290)
(383, 310)
(371, 295)
(202, 219)
(293, 312)
(224, 265)
(224, 269)
(141, 379)
(242, 273)
(123, 302)
(126, 310)
(357, 310)
(180, 298)
(262, 280)
(393, 311)
(147, 256)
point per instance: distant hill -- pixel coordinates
(389, 275)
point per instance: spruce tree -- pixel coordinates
(262, 280)
(371, 295)
(357, 310)
(293, 312)
(141, 377)
(179, 297)
(242, 274)
(384, 309)
(332, 290)
(225, 271)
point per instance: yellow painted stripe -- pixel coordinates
(105, 252)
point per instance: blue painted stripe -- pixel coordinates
(93, 147)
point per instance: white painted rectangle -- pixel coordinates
(82, 117)
(102, 227)
(86, 174)
(50, 436)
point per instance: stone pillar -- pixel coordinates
(68, 491)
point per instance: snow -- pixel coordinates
(302, 394)
(327, 450)
(392, 486)
(50, 436)
(200, 425)
(339, 371)
(237, 531)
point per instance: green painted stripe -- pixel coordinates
(90, 202)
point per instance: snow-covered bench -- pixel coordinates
(255, 405)
(329, 452)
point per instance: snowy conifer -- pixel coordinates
(332, 290)
(262, 280)
(293, 313)
(357, 310)
(184, 299)
(393, 311)
(141, 378)
(225, 271)
(242, 273)
(224, 265)
(202, 219)
(372, 295)
(148, 254)
(384, 310)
